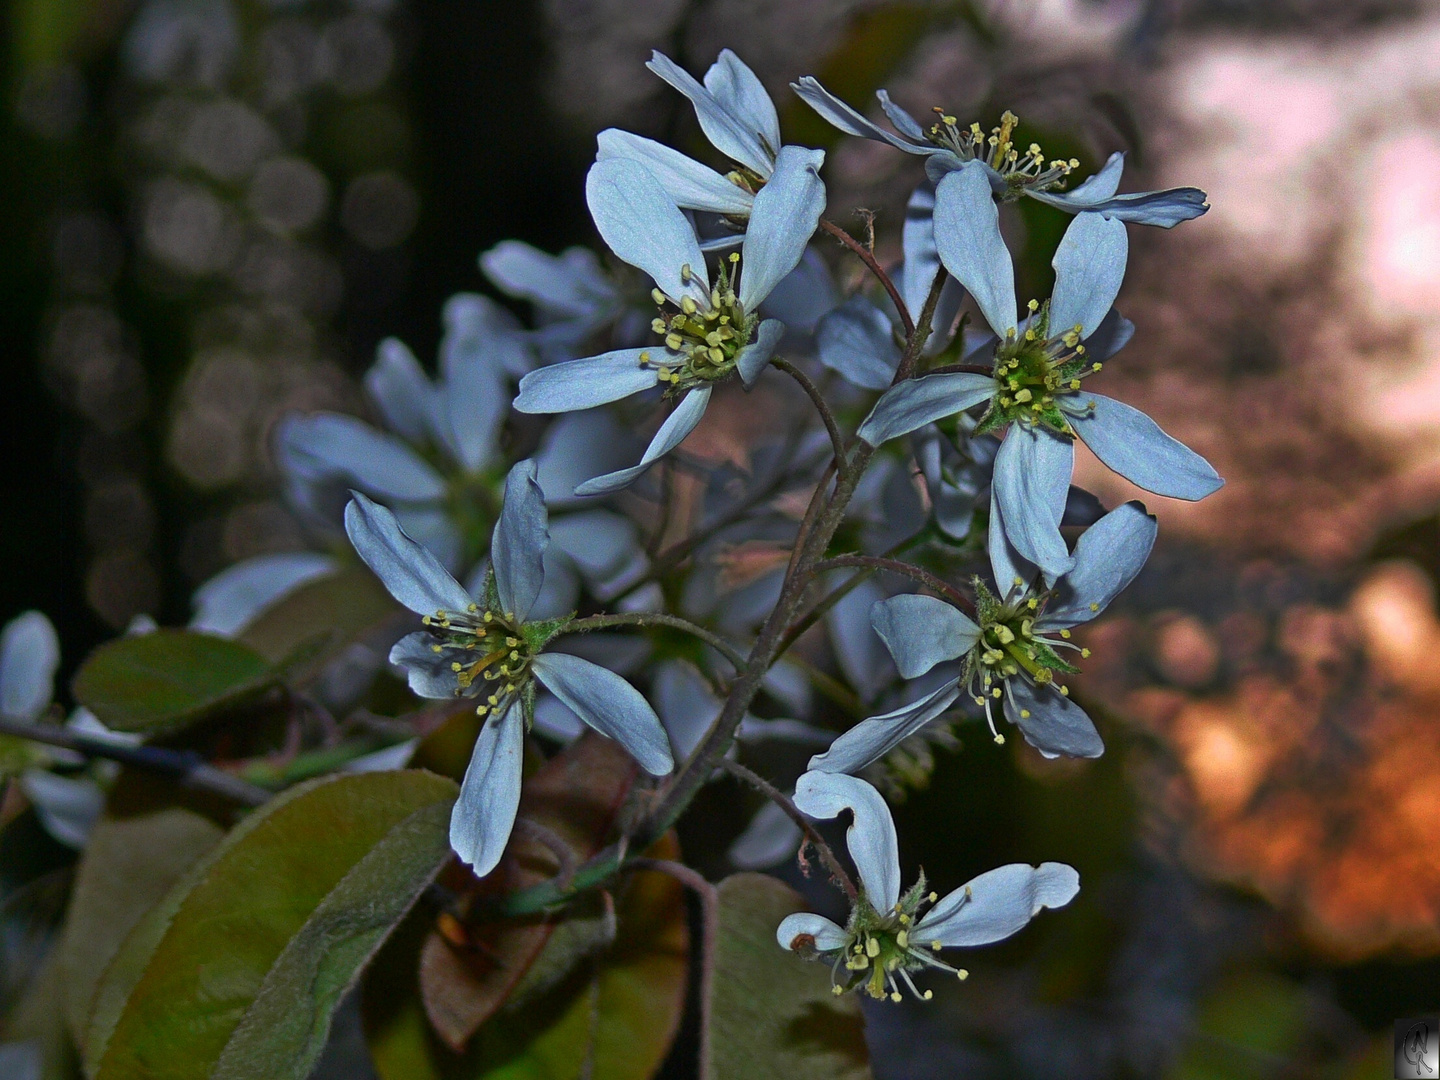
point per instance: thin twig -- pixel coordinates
(811, 617)
(667, 502)
(710, 922)
(564, 854)
(780, 799)
(837, 440)
(656, 618)
(812, 512)
(915, 341)
(868, 258)
(904, 569)
(185, 765)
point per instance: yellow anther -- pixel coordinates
(1024, 714)
(734, 257)
(962, 974)
(935, 945)
(657, 296)
(837, 990)
(435, 648)
(686, 273)
(425, 619)
(902, 939)
(1074, 384)
(1024, 395)
(1094, 607)
(1064, 691)
(895, 996)
(1033, 305)
(1096, 366)
(999, 739)
(996, 692)
(455, 666)
(872, 947)
(1032, 603)
(1005, 634)
(927, 995)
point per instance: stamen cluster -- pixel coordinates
(1021, 172)
(503, 663)
(883, 948)
(1009, 647)
(701, 342)
(1034, 372)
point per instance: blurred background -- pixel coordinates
(211, 212)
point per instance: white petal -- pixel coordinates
(826, 934)
(996, 904)
(29, 655)
(413, 575)
(871, 836)
(610, 705)
(484, 814)
(643, 227)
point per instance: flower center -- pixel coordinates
(497, 654)
(1010, 648)
(1037, 376)
(879, 954)
(701, 342)
(1021, 173)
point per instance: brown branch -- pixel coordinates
(904, 569)
(780, 799)
(868, 258)
(710, 921)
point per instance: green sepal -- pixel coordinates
(538, 634)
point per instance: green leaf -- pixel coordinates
(772, 1014)
(236, 972)
(612, 1019)
(159, 682)
(127, 868)
(337, 609)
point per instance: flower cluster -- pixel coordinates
(733, 282)
(953, 607)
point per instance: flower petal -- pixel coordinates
(744, 97)
(1107, 558)
(476, 395)
(730, 134)
(672, 433)
(644, 228)
(29, 655)
(517, 549)
(1089, 267)
(608, 704)
(842, 116)
(827, 936)
(1112, 335)
(685, 704)
(329, 445)
(751, 360)
(574, 446)
(68, 806)
(1051, 722)
(871, 836)
(771, 838)
(858, 341)
(413, 575)
(477, 326)
(1132, 444)
(399, 388)
(571, 285)
(484, 814)
(1032, 480)
(230, 600)
(804, 295)
(586, 383)
(967, 235)
(1101, 185)
(428, 673)
(1164, 208)
(996, 904)
(690, 185)
(922, 258)
(904, 123)
(862, 655)
(922, 631)
(786, 212)
(876, 736)
(916, 402)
